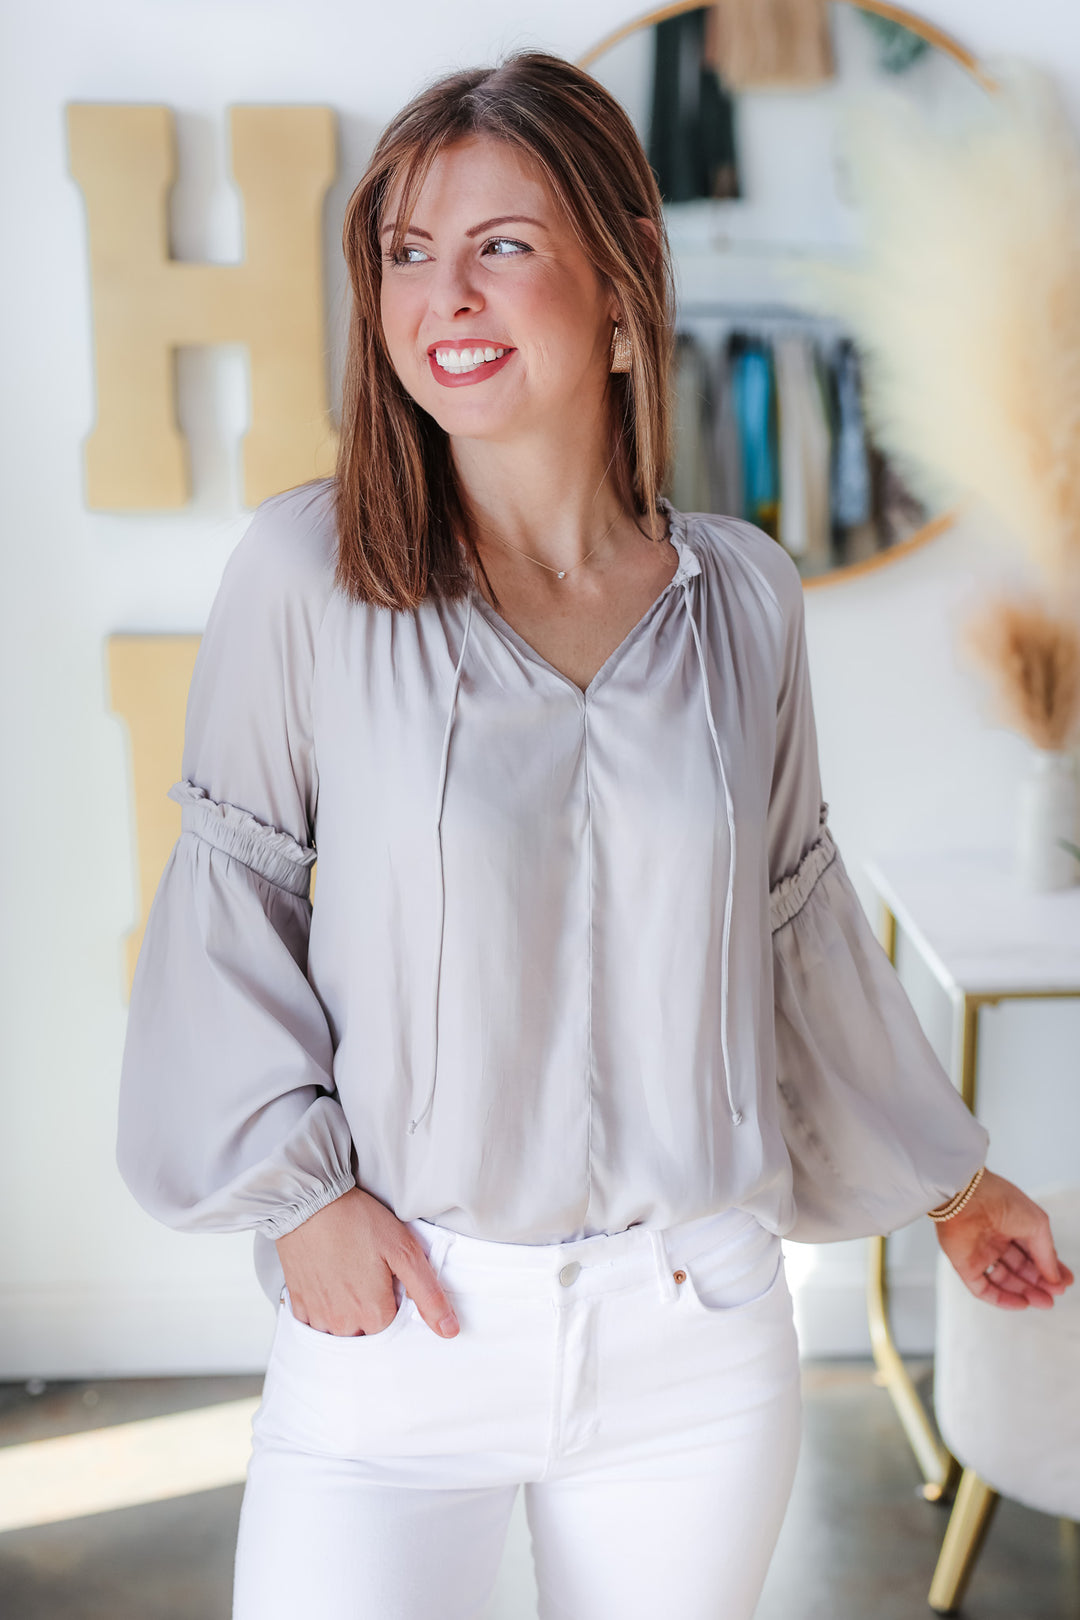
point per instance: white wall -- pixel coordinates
(88, 1284)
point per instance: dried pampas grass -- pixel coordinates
(966, 303)
(1032, 656)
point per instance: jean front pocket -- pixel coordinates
(335, 1394)
(733, 1278)
(337, 1342)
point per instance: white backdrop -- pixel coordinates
(89, 1286)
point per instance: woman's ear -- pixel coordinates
(648, 228)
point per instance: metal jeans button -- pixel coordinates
(569, 1272)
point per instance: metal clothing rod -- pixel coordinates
(735, 306)
(708, 323)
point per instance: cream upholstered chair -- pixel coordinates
(1007, 1400)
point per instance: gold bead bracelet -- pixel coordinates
(953, 1206)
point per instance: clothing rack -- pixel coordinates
(756, 310)
(710, 323)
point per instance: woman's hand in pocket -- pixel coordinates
(340, 1266)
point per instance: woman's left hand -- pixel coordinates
(1000, 1246)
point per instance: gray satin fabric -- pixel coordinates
(575, 960)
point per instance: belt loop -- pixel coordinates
(668, 1286)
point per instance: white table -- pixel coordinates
(986, 939)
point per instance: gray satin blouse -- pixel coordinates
(574, 960)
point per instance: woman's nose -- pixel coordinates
(455, 291)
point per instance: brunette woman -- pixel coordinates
(585, 1014)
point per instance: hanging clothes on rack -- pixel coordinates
(805, 450)
(769, 425)
(851, 492)
(691, 470)
(755, 404)
(726, 459)
(691, 140)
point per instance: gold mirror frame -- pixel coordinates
(944, 42)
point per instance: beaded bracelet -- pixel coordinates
(946, 1211)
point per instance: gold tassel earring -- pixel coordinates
(620, 349)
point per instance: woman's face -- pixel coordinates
(496, 322)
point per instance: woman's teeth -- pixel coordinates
(466, 359)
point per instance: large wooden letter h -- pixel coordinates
(146, 304)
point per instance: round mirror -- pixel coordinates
(741, 126)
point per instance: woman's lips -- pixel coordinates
(451, 379)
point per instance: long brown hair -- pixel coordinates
(402, 519)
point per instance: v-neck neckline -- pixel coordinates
(686, 567)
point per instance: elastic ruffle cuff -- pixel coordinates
(789, 896)
(274, 855)
(287, 1220)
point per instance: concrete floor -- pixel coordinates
(858, 1542)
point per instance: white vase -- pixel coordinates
(1048, 813)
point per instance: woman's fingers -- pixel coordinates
(341, 1264)
(1020, 1262)
(1040, 1245)
(983, 1288)
(1009, 1276)
(1001, 1276)
(414, 1268)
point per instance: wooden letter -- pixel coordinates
(147, 304)
(149, 678)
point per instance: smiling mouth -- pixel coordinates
(459, 361)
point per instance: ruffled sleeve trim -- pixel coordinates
(789, 896)
(274, 855)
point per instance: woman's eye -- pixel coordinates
(403, 256)
(509, 243)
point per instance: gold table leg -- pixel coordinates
(939, 1468)
(968, 1524)
(968, 1056)
(937, 1465)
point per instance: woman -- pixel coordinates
(586, 1014)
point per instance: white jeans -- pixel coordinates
(643, 1386)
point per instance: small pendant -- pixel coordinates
(561, 574)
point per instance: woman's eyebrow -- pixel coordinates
(505, 219)
(474, 230)
(413, 230)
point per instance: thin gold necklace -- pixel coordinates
(560, 573)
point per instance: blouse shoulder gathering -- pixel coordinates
(759, 597)
(755, 557)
